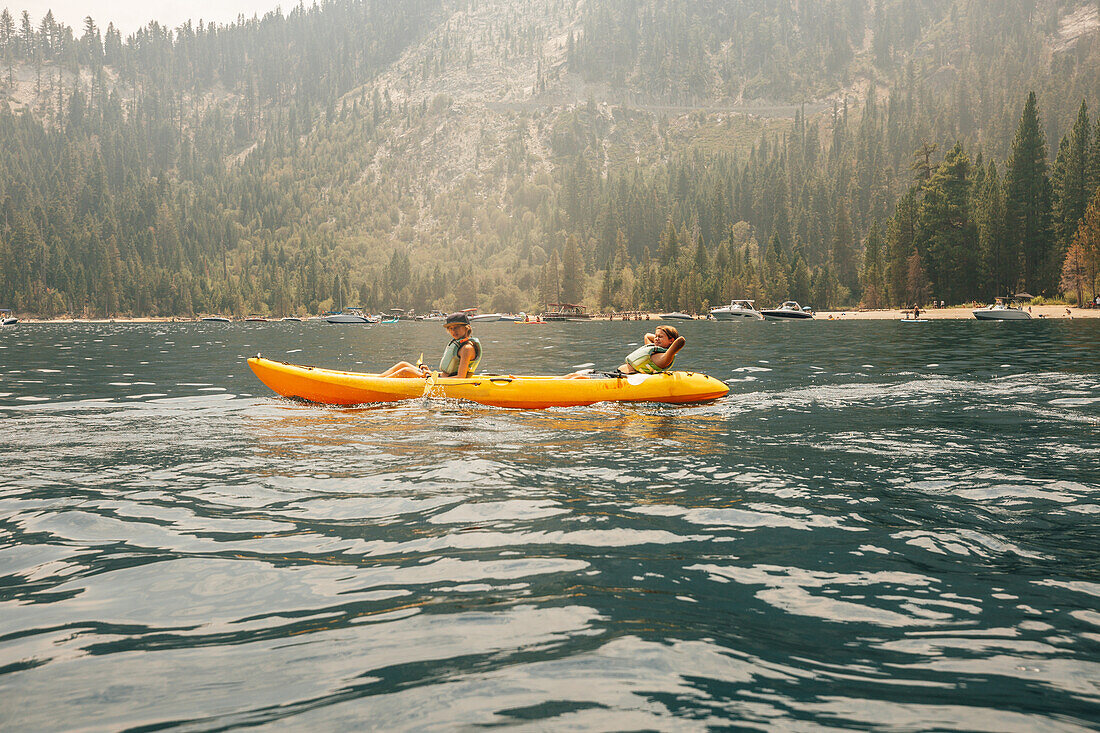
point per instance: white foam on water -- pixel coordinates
(583, 366)
(1075, 401)
(293, 351)
(119, 384)
(49, 371)
(212, 389)
(32, 398)
(751, 369)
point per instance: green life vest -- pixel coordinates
(448, 365)
(642, 359)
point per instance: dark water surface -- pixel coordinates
(889, 526)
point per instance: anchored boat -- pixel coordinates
(332, 387)
(1001, 310)
(350, 315)
(789, 311)
(737, 310)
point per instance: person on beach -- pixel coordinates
(460, 358)
(655, 356)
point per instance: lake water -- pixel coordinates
(884, 525)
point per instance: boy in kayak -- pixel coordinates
(654, 357)
(657, 354)
(460, 358)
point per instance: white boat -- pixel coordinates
(485, 317)
(6, 317)
(1001, 310)
(291, 318)
(789, 311)
(349, 315)
(676, 316)
(216, 319)
(737, 310)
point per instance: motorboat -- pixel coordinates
(789, 311)
(676, 316)
(349, 315)
(255, 318)
(216, 319)
(737, 310)
(1001, 310)
(476, 317)
(291, 318)
(434, 316)
(513, 317)
(6, 317)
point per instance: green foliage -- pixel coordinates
(265, 167)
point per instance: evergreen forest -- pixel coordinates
(506, 154)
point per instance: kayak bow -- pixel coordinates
(332, 387)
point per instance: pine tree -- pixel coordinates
(871, 275)
(945, 234)
(998, 262)
(845, 262)
(572, 272)
(1028, 201)
(1071, 188)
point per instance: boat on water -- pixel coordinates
(387, 320)
(332, 387)
(1001, 310)
(789, 311)
(676, 316)
(565, 312)
(7, 318)
(433, 316)
(350, 315)
(255, 318)
(513, 317)
(216, 319)
(476, 317)
(291, 318)
(737, 310)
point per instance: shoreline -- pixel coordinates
(959, 313)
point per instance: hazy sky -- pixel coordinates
(129, 15)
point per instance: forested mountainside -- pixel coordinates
(508, 153)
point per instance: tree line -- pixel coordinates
(128, 186)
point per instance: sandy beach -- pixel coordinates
(960, 312)
(885, 314)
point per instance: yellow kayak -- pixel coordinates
(332, 387)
